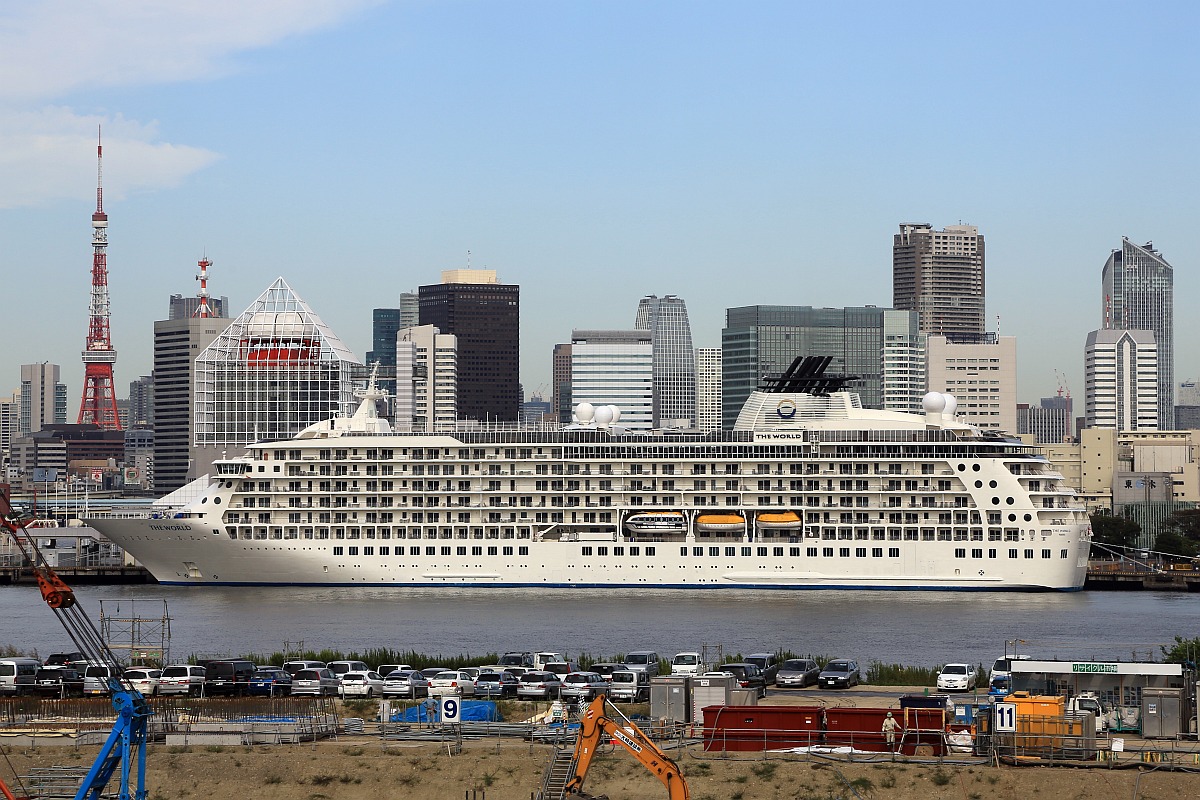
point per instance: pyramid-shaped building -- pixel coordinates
(274, 371)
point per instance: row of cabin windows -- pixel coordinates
(829, 552)
(431, 551)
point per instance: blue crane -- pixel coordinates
(125, 747)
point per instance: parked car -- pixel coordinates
(316, 682)
(605, 668)
(388, 669)
(270, 681)
(797, 672)
(362, 684)
(143, 679)
(292, 667)
(686, 664)
(17, 675)
(431, 672)
(496, 684)
(841, 672)
(584, 686)
(629, 686)
(340, 668)
(452, 682)
(561, 668)
(517, 672)
(539, 686)
(95, 680)
(405, 683)
(64, 660)
(227, 676)
(516, 660)
(956, 677)
(767, 663)
(472, 671)
(181, 679)
(58, 682)
(1002, 668)
(644, 660)
(748, 676)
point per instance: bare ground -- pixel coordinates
(363, 769)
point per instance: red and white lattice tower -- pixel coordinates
(99, 404)
(202, 308)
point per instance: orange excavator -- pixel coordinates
(595, 726)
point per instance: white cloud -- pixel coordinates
(53, 48)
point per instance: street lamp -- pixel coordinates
(1014, 643)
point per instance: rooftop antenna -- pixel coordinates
(202, 308)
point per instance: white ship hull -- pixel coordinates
(884, 501)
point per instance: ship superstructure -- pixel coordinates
(809, 491)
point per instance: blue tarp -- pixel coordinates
(472, 711)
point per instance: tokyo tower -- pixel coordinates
(99, 404)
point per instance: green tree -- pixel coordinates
(1169, 541)
(1182, 651)
(1185, 522)
(1115, 531)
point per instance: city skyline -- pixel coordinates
(584, 156)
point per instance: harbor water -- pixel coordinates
(912, 628)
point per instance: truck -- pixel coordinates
(1089, 703)
(540, 660)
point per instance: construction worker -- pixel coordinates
(890, 726)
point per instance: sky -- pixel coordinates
(592, 152)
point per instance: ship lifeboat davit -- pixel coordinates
(780, 520)
(657, 522)
(720, 522)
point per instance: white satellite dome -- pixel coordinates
(604, 415)
(584, 412)
(934, 402)
(951, 405)
(616, 413)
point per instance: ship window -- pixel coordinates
(683, 551)
(876, 552)
(844, 552)
(618, 551)
(370, 551)
(910, 535)
(893, 552)
(635, 551)
(731, 551)
(601, 551)
(827, 552)
(1029, 553)
(697, 551)
(508, 551)
(960, 552)
(650, 551)
(353, 551)
(877, 534)
(337, 551)
(1046, 554)
(522, 551)
(895, 534)
(462, 551)
(491, 551)
(587, 551)
(977, 552)
(927, 534)
(794, 552)
(746, 551)
(860, 552)
(761, 552)
(1062, 553)
(714, 551)
(1012, 535)
(777, 551)
(431, 551)
(812, 552)
(1012, 553)
(414, 551)
(992, 552)
(476, 551)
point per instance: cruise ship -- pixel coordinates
(809, 491)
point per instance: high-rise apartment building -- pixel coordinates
(881, 346)
(485, 317)
(269, 374)
(615, 368)
(1139, 290)
(560, 378)
(426, 380)
(1120, 376)
(981, 375)
(10, 416)
(141, 403)
(940, 275)
(708, 389)
(43, 398)
(674, 359)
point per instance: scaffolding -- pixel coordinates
(140, 640)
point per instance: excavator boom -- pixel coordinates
(595, 726)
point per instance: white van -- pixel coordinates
(17, 674)
(95, 680)
(642, 661)
(687, 663)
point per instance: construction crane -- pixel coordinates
(125, 747)
(594, 727)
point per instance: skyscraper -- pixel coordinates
(485, 317)
(560, 378)
(426, 379)
(982, 376)
(615, 368)
(940, 275)
(708, 389)
(43, 398)
(674, 360)
(1120, 376)
(1139, 287)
